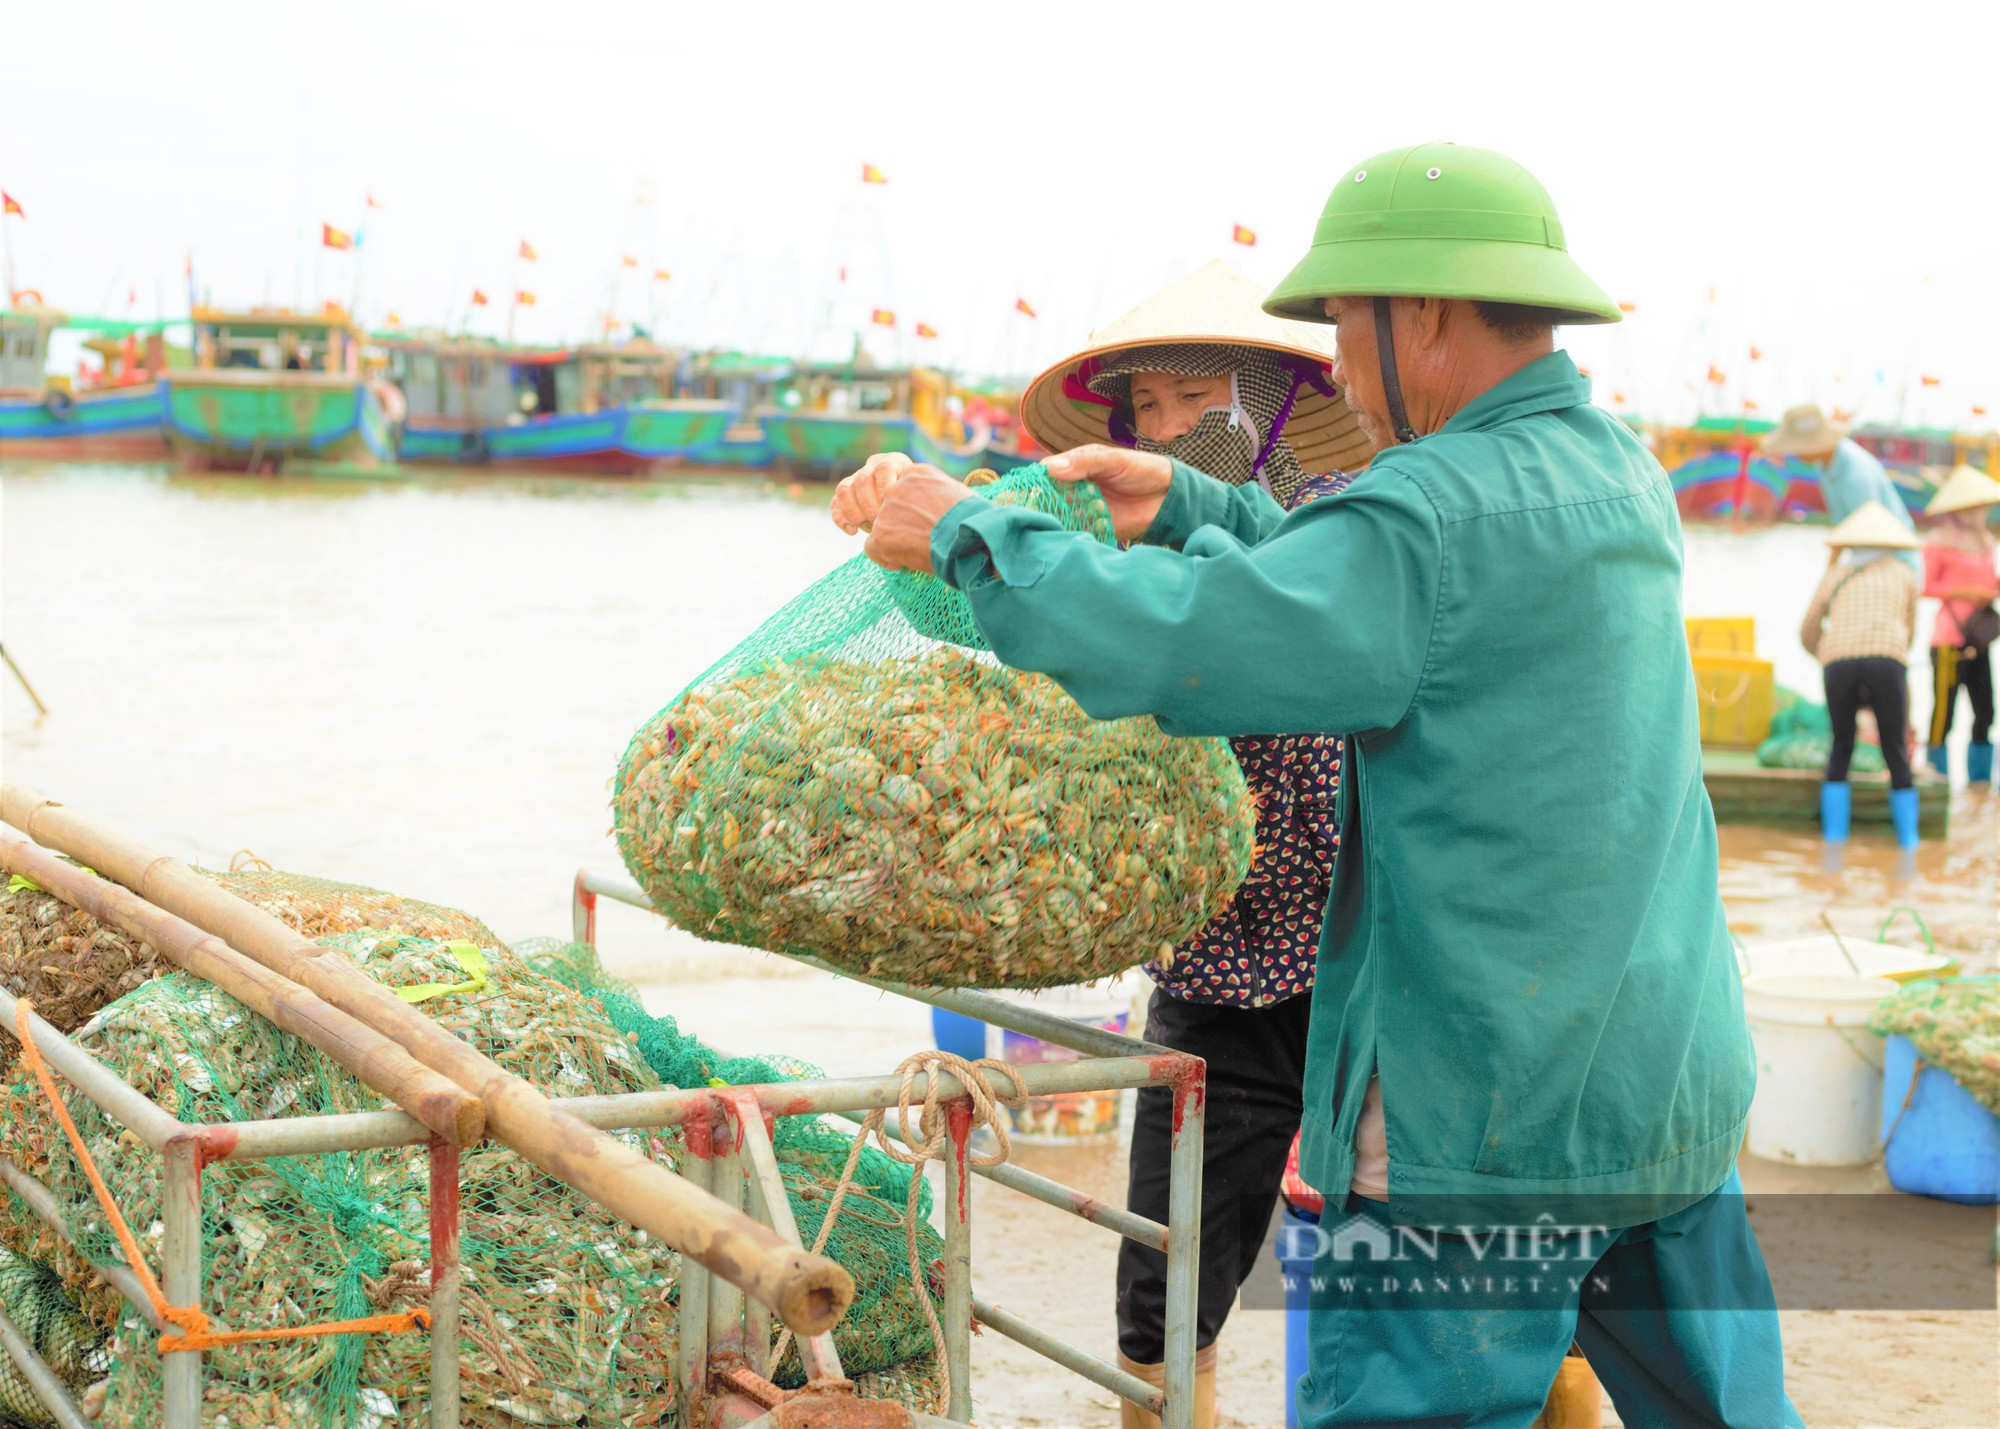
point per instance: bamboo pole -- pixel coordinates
(39, 706)
(436, 1101)
(810, 1293)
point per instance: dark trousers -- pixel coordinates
(1951, 672)
(1256, 1072)
(1883, 685)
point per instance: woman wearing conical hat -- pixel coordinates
(1859, 626)
(1199, 372)
(1959, 573)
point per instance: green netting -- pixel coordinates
(861, 781)
(1954, 1023)
(56, 1328)
(569, 1312)
(70, 965)
(1801, 737)
(885, 1326)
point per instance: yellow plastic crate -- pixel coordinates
(1722, 634)
(1734, 695)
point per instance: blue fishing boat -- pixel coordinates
(600, 408)
(115, 415)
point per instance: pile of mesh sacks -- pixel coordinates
(1954, 1023)
(1801, 737)
(861, 781)
(569, 1313)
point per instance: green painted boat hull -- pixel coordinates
(234, 422)
(820, 446)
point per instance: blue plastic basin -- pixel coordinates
(1947, 1145)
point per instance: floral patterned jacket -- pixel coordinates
(1261, 949)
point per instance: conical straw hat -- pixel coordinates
(1966, 488)
(1215, 304)
(1805, 431)
(1872, 525)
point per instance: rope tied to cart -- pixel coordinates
(192, 1323)
(930, 1141)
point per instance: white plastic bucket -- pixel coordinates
(1072, 1115)
(1819, 1068)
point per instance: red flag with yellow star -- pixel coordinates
(1245, 236)
(11, 205)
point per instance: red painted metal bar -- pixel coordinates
(447, 1284)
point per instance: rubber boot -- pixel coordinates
(1131, 1416)
(1979, 765)
(1835, 808)
(1903, 814)
(1575, 1400)
(1940, 760)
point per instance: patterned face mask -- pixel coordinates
(1228, 441)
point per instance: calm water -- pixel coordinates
(426, 686)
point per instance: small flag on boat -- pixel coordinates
(1929, 381)
(1619, 398)
(1977, 410)
(1245, 236)
(629, 261)
(331, 237)
(1750, 406)
(10, 204)
(1756, 353)
(1717, 375)
(1628, 307)
(843, 272)
(187, 264)
(394, 320)
(610, 323)
(525, 298)
(661, 275)
(1021, 306)
(131, 296)
(882, 317)
(527, 250)
(872, 175)
(373, 202)
(479, 299)
(926, 330)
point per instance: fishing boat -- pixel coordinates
(834, 417)
(269, 385)
(1720, 472)
(115, 414)
(749, 383)
(607, 408)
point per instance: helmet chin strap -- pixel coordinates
(1392, 386)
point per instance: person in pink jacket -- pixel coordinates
(1959, 574)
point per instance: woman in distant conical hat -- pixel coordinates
(1859, 626)
(1959, 573)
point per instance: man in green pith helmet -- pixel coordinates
(1527, 1002)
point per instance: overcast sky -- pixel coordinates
(1826, 171)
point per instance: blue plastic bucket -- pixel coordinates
(1297, 1238)
(1947, 1145)
(958, 1034)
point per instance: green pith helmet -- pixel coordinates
(1441, 221)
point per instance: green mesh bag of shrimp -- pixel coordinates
(861, 781)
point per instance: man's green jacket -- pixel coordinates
(1525, 939)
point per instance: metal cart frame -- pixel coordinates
(727, 1130)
